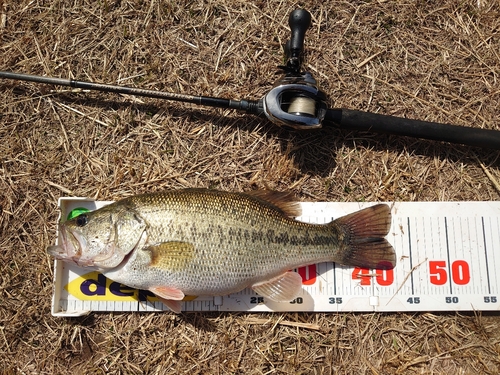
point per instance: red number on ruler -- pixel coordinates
(308, 274)
(383, 277)
(460, 272)
(437, 269)
(363, 274)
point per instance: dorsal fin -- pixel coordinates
(285, 202)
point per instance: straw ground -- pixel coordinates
(430, 60)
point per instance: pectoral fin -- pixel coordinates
(283, 288)
(171, 297)
(173, 255)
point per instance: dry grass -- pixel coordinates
(434, 60)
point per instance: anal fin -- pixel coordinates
(175, 306)
(171, 297)
(283, 288)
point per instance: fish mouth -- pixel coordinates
(70, 247)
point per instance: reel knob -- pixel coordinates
(299, 21)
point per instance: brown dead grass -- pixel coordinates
(436, 61)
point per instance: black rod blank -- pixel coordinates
(249, 106)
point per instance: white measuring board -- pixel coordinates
(448, 258)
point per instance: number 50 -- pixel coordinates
(460, 272)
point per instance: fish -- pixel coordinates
(204, 242)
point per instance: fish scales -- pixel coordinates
(209, 242)
(233, 235)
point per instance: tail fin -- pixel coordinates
(365, 243)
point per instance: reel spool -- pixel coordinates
(302, 106)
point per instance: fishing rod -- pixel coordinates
(297, 102)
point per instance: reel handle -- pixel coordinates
(299, 21)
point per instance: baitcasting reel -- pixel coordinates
(297, 102)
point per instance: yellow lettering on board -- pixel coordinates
(94, 286)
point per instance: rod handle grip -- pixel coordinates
(374, 122)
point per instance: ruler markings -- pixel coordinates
(468, 244)
(424, 249)
(480, 245)
(334, 279)
(479, 285)
(399, 285)
(415, 248)
(434, 248)
(495, 250)
(486, 254)
(410, 256)
(459, 250)
(448, 253)
(475, 263)
(334, 269)
(456, 230)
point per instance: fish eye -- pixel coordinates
(82, 220)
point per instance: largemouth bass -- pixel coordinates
(198, 242)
